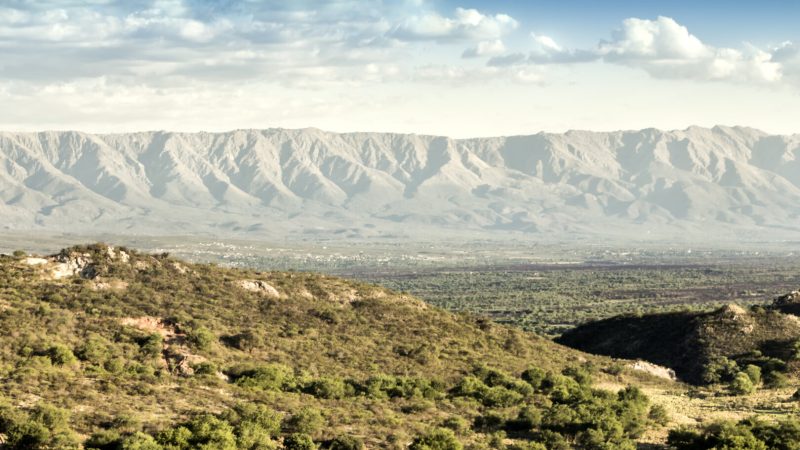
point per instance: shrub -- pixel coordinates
(580, 374)
(61, 355)
(205, 368)
(741, 384)
(305, 421)
(246, 341)
(253, 419)
(534, 376)
(459, 425)
(659, 415)
(436, 439)
(268, 377)
(775, 380)
(205, 431)
(94, 350)
(140, 441)
(720, 369)
(723, 435)
(500, 396)
(527, 446)
(201, 338)
(327, 387)
(346, 443)
(44, 427)
(298, 441)
(754, 373)
(152, 345)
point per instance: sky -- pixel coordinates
(457, 68)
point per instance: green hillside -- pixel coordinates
(108, 348)
(702, 347)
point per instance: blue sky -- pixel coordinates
(460, 68)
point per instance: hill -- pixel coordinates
(702, 347)
(108, 348)
(311, 183)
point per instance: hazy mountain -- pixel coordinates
(728, 183)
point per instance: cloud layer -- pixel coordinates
(193, 64)
(666, 49)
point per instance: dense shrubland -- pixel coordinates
(149, 353)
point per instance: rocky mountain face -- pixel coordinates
(720, 182)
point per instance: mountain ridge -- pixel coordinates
(310, 182)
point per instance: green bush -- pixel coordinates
(436, 439)
(720, 370)
(459, 425)
(775, 380)
(61, 355)
(534, 376)
(754, 373)
(346, 443)
(255, 425)
(327, 387)
(152, 345)
(44, 427)
(140, 441)
(298, 441)
(305, 421)
(269, 377)
(659, 415)
(205, 431)
(720, 436)
(201, 338)
(741, 384)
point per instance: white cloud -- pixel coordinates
(666, 49)
(485, 48)
(545, 51)
(466, 24)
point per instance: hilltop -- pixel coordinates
(110, 348)
(702, 347)
(314, 184)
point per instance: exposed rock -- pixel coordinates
(179, 267)
(35, 261)
(174, 355)
(149, 324)
(654, 369)
(788, 299)
(109, 284)
(259, 287)
(71, 265)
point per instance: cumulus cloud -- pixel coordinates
(666, 49)
(466, 24)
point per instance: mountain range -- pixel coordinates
(722, 183)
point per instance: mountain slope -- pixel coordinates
(297, 182)
(700, 346)
(133, 343)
